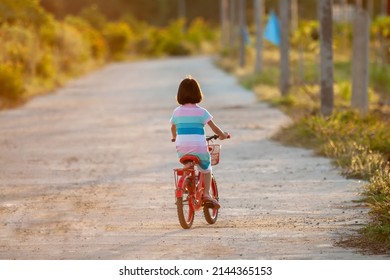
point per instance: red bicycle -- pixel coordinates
(190, 187)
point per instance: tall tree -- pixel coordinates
(326, 64)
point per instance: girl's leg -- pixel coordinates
(207, 186)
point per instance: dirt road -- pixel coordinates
(86, 173)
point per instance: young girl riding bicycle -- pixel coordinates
(188, 121)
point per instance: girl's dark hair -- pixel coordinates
(189, 92)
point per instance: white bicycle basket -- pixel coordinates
(215, 150)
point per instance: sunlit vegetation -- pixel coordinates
(45, 43)
(41, 52)
(359, 145)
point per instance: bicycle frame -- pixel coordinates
(190, 175)
(189, 182)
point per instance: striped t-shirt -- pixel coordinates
(190, 120)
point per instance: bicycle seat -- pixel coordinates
(187, 158)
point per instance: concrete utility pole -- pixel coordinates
(182, 8)
(385, 7)
(326, 39)
(232, 33)
(359, 4)
(294, 15)
(242, 23)
(284, 11)
(345, 7)
(370, 8)
(259, 11)
(224, 23)
(361, 38)
(294, 27)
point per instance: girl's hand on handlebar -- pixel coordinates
(225, 135)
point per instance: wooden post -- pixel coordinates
(284, 11)
(361, 33)
(259, 10)
(326, 64)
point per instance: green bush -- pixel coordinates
(19, 46)
(174, 40)
(45, 66)
(11, 83)
(73, 49)
(380, 35)
(379, 78)
(48, 33)
(47, 51)
(93, 39)
(199, 32)
(94, 17)
(118, 36)
(307, 36)
(27, 11)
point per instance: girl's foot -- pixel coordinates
(211, 202)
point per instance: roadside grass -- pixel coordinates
(358, 145)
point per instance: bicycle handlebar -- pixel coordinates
(208, 138)
(215, 136)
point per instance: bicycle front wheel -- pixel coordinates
(211, 214)
(185, 211)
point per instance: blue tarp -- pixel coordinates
(272, 30)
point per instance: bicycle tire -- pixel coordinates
(211, 214)
(185, 211)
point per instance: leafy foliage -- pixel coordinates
(118, 37)
(11, 84)
(41, 50)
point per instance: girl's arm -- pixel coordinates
(222, 135)
(173, 131)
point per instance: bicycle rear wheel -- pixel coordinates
(185, 211)
(211, 214)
